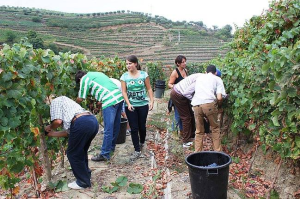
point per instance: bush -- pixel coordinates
(36, 19)
(10, 37)
(155, 72)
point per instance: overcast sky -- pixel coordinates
(211, 12)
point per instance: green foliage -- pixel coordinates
(224, 33)
(36, 19)
(35, 40)
(235, 159)
(87, 34)
(195, 68)
(120, 182)
(135, 188)
(189, 32)
(59, 186)
(274, 194)
(155, 72)
(29, 77)
(10, 37)
(262, 75)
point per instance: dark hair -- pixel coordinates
(179, 59)
(79, 75)
(211, 69)
(134, 59)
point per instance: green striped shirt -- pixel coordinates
(100, 87)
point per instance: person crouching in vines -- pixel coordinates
(81, 127)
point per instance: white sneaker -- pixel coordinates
(74, 185)
(136, 155)
(187, 145)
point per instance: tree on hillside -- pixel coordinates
(215, 27)
(199, 23)
(224, 33)
(35, 40)
(10, 37)
(36, 19)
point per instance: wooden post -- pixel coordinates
(44, 152)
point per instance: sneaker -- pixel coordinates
(136, 155)
(187, 145)
(98, 158)
(74, 185)
(127, 133)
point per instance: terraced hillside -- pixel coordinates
(114, 34)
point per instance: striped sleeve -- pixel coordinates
(84, 87)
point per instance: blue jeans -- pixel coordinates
(112, 120)
(178, 122)
(137, 122)
(82, 132)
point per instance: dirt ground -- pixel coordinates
(162, 171)
(140, 171)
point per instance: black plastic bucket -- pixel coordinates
(159, 92)
(122, 133)
(160, 84)
(208, 182)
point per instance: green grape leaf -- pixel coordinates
(61, 186)
(122, 181)
(14, 94)
(17, 167)
(297, 141)
(275, 120)
(4, 121)
(135, 188)
(292, 92)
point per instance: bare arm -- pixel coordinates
(79, 100)
(58, 134)
(173, 77)
(150, 93)
(54, 125)
(124, 93)
(219, 98)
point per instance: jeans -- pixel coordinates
(178, 122)
(82, 132)
(137, 122)
(112, 120)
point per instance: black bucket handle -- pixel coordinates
(212, 173)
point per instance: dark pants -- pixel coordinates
(82, 132)
(186, 115)
(137, 122)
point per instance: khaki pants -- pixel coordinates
(209, 110)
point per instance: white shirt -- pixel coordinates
(186, 87)
(63, 108)
(206, 88)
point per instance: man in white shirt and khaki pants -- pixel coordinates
(209, 89)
